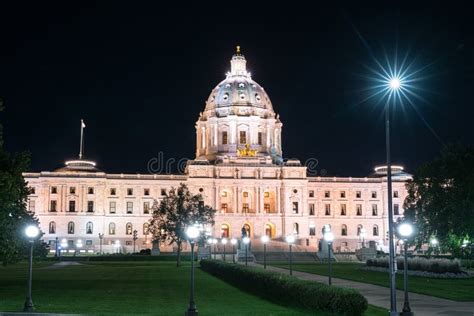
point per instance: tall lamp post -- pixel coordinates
(224, 242)
(135, 237)
(434, 244)
(214, 242)
(290, 239)
(31, 233)
(393, 84)
(246, 241)
(329, 238)
(192, 232)
(233, 241)
(405, 231)
(265, 240)
(101, 237)
(363, 233)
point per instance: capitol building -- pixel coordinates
(239, 170)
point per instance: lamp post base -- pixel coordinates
(28, 307)
(191, 312)
(410, 313)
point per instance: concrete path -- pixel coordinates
(62, 264)
(421, 305)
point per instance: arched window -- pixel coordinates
(225, 231)
(128, 229)
(52, 227)
(146, 228)
(375, 230)
(112, 229)
(246, 229)
(296, 228)
(344, 230)
(89, 227)
(268, 230)
(359, 229)
(70, 228)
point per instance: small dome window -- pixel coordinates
(254, 86)
(242, 96)
(225, 97)
(258, 98)
(241, 85)
(227, 85)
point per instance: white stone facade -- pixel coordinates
(253, 188)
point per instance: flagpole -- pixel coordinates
(82, 139)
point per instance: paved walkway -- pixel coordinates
(421, 305)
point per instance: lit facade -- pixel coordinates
(239, 171)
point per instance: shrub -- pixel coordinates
(288, 290)
(420, 264)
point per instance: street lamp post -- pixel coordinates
(434, 244)
(192, 232)
(265, 239)
(405, 230)
(233, 241)
(135, 237)
(101, 237)
(32, 233)
(362, 236)
(393, 84)
(329, 238)
(290, 239)
(224, 242)
(246, 241)
(214, 242)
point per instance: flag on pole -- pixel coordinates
(83, 124)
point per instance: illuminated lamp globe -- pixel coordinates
(290, 239)
(246, 240)
(394, 83)
(224, 241)
(329, 237)
(265, 239)
(405, 230)
(233, 241)
(32, 231)
(192, 232)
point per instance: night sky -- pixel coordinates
(140, 75)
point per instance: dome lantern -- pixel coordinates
(238, 65)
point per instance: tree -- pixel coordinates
(440, 198)
(178, 209)
(14, 215)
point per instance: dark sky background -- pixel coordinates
(139, 76)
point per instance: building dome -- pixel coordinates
(238, 94)
(238, 120)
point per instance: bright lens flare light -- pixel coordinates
(394, 83)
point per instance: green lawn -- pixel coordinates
(453, 289)
(137, 288)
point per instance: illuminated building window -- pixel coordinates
(146, 207)
(375, 230)
(395, 194)
(31, 206)
(327, 209)
(374, 210)
(224, 194)
(260, 138)
(359, 209)
(112, 229)
(70, 228)
(52, 227)
(311, 209)
(90, 190)
(295, 208)
(246, 194)
(243, 137)
(224, 138)
(129, 207)
(312, 230)
(224, 207)
(358, 195)
(89, 228)
(311, 194)
(90, 206)
(245, 207)
(112, 207)
(343, 209)
(266, 207)
(72, 206)
(72, 190)
(54, 190)
(344, 230)
(53, 206)
(128, 229)
(113, 191)
(266, 194)
(396, 209)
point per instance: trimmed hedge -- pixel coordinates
(420, 264)
(139, 258)
(288, 290)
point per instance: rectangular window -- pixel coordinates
(90, 190)
(295, 207)
(343, 194)
(327, 209)
(224, 207)
(246, 194)
(374, 194)
(32, 190)
(72, 206)
(311, 209)
(53, 206)
(112, 207)
(245, 207)
(90, 206)
(266, 207)
(88, 242)
(163, 191)
(260, 142)
(312, 231)
(396, 209)
(146, 207)
(224, 138)
(311, 194)
(224, 194)
(146, 192)
(358, 194)
(359, 209)
(31, 206)
(129, 191)
(343, 209)
(395, 194)
(113, 191)
(128, 243)
(72, 190)
(327, 194)
(374, 209)
(243, 137)
(266, 194)
(129, 207)
(54, 190)
(70, 243)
